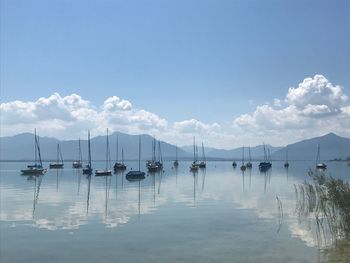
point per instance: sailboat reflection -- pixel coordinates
(243, 184)
(204, 172)
(195, 180)
(138, 179)
(88, 193)
(58, 178)
(108, 187)
(37, 183)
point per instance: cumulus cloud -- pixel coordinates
(193, 126)
(313, 108)
(67, 116)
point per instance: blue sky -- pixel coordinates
(206, 60)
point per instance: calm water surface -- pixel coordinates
(216, 215)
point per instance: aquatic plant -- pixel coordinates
(328, 200)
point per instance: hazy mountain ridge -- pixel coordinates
(21, 147)
(331, 146)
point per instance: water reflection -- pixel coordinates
(68, 204)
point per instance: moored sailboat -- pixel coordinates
(78, 163)
(249, 163)
(176, 162)
(286, 163)
(119, 166)
(243, 167)
(136, 175)
(194, 165)
(88, 168)
(266, 164)
(203, 163)
(59, 161)
(319, 165)
(37, 167)
(107, 170)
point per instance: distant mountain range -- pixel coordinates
(331, 146)
(21, 147)
(256, 152)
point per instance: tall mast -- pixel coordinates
(107, 152)
(117, 149)
(139, 152)
(176, 152)
(89, 149)
(203, 152)
(194, 148)
(38, 146)
(122, 156)
(80, 155)
(58, 149)
(35, 146)
(250, 157)
(318, 157)
(243, 155)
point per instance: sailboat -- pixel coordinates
(234, 164)
(152, 165)
(136, 175)
(59, 163)
(266, 164)
(119, 166)
(319, 164)
(176, 162)
(203, 163)
(88, 168)
(286, 163)
(249, 163)
(78, 163)
(107, 170)
(37, 167)
(194, 165)
(243, 167)
(159, 163)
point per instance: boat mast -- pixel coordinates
(122, 156)
(60, 153)
(89, 149)
(108, 156)
(117, 149)
(194, 148)
(36, 150)
(250, 157)
(38, 146)
(318, 157)
(80, 154)
(243, 156)
(203, 154)
(58, 149)
(139, 152)
(176, 152)
(160, 153)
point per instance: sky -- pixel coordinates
(231, 73)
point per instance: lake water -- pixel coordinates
(216, 215)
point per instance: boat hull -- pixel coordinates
(77, 164)
(33, 171)
(135, 176)
(103, 172)
(56, 165)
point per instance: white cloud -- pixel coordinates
(194, 126)
(314, 108)
(69, 116)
